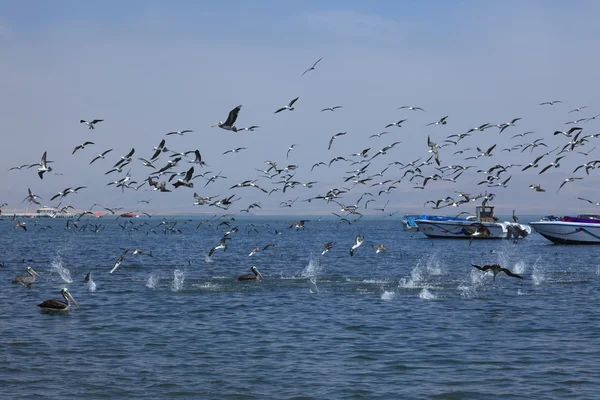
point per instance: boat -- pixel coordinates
(129, 215)
(485, 225)
(582, 229)
(409, 221)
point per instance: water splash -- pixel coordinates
(91, 285)
(312, 269)
(425, 294)
(598, 270)
(466, 291)
(207, 259)
(151, 282)
(179, 277)
(57, 266)
(430, 266)
(387, 295)
(519, 267)
(538, 273)
(312, 284)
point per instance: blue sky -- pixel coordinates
(150, 67)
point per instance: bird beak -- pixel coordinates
(35, 273)
(213, 125)
(259, 274)
(72, 299)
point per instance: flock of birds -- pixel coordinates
(165, 173)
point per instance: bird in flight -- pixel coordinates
(496, 269)
(313, 66)
(90, 124)
(289, 107)
(228, 124)
(331, 108)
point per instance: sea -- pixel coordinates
(414, 322)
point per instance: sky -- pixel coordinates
(151, 67)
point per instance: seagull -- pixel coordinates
(21, 224)
(496, 269)
(26, 280)
(43, 166)
(522, 134)
(180, 133)
(357, 242)
(554, 164)
(378, 134)
(91, 124)
(161, 148)
(32, 198)
(19, 167)
(333, 138)
(250, 128)
(236, 150)
(567, 180)
(313, 66)
(569, 132)
(379, 248)
(126, 159)
(197, 159)
(596, 203)
(328, 247)
(577, 109)
(222, 245)
(550, 103)
(228, 124)
(398, 124)
(537, 187)
(101, 155)
(289, 107)
(442, 121)
(411, 108)
(119, 261)
(254, 276)
(331, 108)
(290, 149)
(81, 146)
(55, 305)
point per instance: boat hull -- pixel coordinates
(466, 229)
(561, 232)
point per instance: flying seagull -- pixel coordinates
(228, 124)
(43, 166)
(333, 138)
(289, 106)
(313, 66)
(101, 155)
(411, 108)
(81, 146)
(91, 124)
(180, 133)
(331, 108)
(550, 103)
(442, 121)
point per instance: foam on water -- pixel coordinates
(312, 285)
(312, 269)
(538, 273)
(207, 259)
(388, 295)
(151, 282)
(519, 267)
(91, 285)
(431, 266)
(425, 294)
(178, 278)
(57, 266)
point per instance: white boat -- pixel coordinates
(409, 221)
(582, 229)
(484, 226)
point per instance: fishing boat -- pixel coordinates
(409, 221)
(485, 225)
(129, 215)
(582, 229)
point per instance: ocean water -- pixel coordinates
(415, 322)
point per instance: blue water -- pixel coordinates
(416, 321)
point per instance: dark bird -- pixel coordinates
(333, 138)
(254, 276)
(228, 124)
(442, 121)
(550, 103)
(313, 66)
(496, 269)
(56, 305)
(91, 124)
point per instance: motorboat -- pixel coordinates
(581, 229)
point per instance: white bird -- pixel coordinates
(43, 166)
(411, 108)
(357, 242)
(331, 108)
(236, 150)
(81, 146)
(180, 133)
(101, 155)
(289, 107)
(313, 66)
(91, 124)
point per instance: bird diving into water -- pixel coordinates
(26, 280)
(254, 276)
(496, 269)
(57, 305)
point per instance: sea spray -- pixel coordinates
(178, 278)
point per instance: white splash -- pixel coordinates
(431, 266)
(425, 294)
(467, 292)
(519, 267)
(207, 259)
(598, 270)
(57, 265)
(312, 285)
(387, 295)
(538, 273)
(91, 285)
(179, 277)
(151, 282)
(312, 269)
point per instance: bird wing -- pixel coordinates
(233, 114)
(509, 273)
(293, 101)
(280, 110)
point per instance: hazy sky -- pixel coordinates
(151, 67)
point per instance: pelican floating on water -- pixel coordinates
(57, 305)
(254, 276)
(27, 280)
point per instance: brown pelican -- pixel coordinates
(90, 124)
(254, 276)
(496, 269)
(56, 305)
(27, 280)
(228, 124)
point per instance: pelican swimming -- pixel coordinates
(496, 269)
(27, 280)
(57, 305)
(228, 124)
(254, 276)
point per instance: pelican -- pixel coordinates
(27, 280)
(90, 124)
(289, 107)
(228, 124)
(496, 269)
(56, 305)
(358, 241)
(254, 276)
